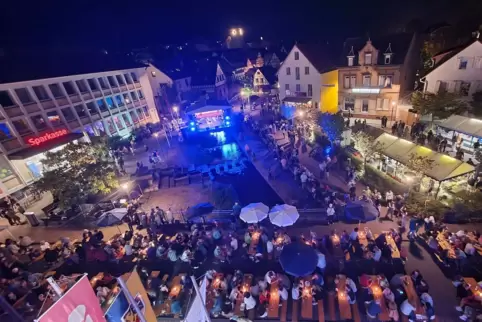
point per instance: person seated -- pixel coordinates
(354, 234)
(227, 310)
(218, 303)
(317, 279)
(25, 241)
(373, 308)
(416, 277)
(408, 309)
(377, 253)
(432, 243)
(249, 301)
(469, 249)
(270, 277)
(350, 293)
(264, 297)
(176, 306)
(283, 293)
(427, 302)
(470, 299)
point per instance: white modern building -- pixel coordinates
(457, 70)
(49, 102)
(300, 73)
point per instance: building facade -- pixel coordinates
(374, 74)
(300, 74)
(41, 115)
(459, 71)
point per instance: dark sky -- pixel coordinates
(126, 24)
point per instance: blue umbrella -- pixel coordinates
(298, 259)
(107, 219)
(361, 210)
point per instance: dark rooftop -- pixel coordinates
(25, 66)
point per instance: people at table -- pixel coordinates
(408, 309)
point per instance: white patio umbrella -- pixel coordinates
(283, 215)
(254, 212)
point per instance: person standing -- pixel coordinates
(330, 213)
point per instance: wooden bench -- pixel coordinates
(331, 306)
(321, 312)
(284, 310)
(344, 306)
(295, 311)
(306, 303)
(273, 305)
(412, 295)
(355, 313)
(378, 295)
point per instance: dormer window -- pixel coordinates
(388, 54)
(368, 58)
(388, 59)
(350, 60)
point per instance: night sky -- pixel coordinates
(137, 23)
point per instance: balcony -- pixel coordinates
(138, 85)
(137, 103)
(105, 113)
(75, 98)
(97, 94)
(48, 104)
(86, 96)
(130, 86)
(143, 101)
(116, 89)
(62, 102)
(31, 108)
(12, 144)
(106, 91)
(73, 124)
(123, 88)
(95, 117)
(13, 111)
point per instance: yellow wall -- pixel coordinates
(329, 92)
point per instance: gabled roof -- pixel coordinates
(451, 52)
(205, 73)
(26, 66)
(320, 56)
(398, 43)
(269, 73)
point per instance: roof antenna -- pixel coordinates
(389, 49)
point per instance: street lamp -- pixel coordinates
(175, 109)
(301, 113)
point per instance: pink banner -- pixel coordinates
(78, 304)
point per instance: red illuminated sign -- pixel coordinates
(46, 137)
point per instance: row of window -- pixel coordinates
(60, 90)
(349, 81)
(460, 87)
(380, 104)
(220, 78)
(470, 62)
(297, 71)
(367, 59)
(55, 120)
(298, 89)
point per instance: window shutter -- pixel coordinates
(457, 86)
(451, 87)
(380, 103)
(437, 86)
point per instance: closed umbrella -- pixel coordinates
(254, 212)
(298, 259)
(283, 215)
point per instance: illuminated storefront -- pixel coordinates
(28, 161)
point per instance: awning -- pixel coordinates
(45, 146)
(297, 99)
(462, 124)
(444, 167)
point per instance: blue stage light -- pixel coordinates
(228, 123)
(193, 129)
(228, 117)
(192, 123)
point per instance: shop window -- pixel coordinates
(126, 120)
(118, 100)
(68, 114)
(81, 85)
(128, 78)
(69, 88)
(141, 95)
(5, 133)
(134, 96)
(101, 104)
(56, 91)
(112, 81)
(54, 118)
(134, 117)
(39, 122)
(127, 99)
(23, 95)
(92, 84)
(349, 104)
(80, 111)
(140, 114)
(102, 83)
(41, 93)
(91, 107)
(21, 126)
(365, 105)
(120, 80)
(146, 111)
(118, 122)
(110, 126)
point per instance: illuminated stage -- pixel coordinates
(209, 116)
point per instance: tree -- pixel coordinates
(77, 171)
(332, 125)
(439, 105)
(366, 145)
(419, 164)
(476, 104)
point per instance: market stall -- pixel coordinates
(461, 131)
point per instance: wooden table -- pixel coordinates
(216, 282)
(393, 246)
(254, 242)
(96, 278)
(273, 306)
(378, 295)
(474, 287)
(343, 304)
(412, 294)
(245, 287)
(445, 245)
(306, 302)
